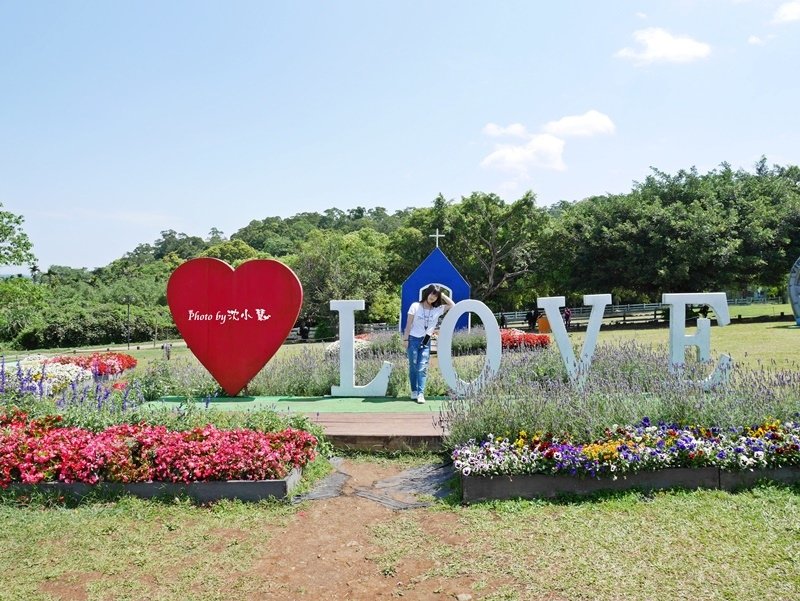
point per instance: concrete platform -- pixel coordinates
(363, 424)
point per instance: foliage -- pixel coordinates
(233, 252)
(21, 303)
(15, 246)
(332, 265)
(730, 230)
(494, 244)
(178, 377)
(725, 230)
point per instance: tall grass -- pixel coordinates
(310, 371)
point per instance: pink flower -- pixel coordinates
(33, 451)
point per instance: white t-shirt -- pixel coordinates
(424, 320)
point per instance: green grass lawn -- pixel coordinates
(707, 545)
(746, 343)
(758, 310)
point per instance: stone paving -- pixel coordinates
(411, 489)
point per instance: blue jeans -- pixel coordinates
(418, 364)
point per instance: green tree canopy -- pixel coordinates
(232, 252)
(332, 265)
(15, 246)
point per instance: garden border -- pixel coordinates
(535, 486)
(201, 492)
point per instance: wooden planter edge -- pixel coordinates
(533, 486)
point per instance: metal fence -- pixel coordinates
(640, 313)
(631, 313)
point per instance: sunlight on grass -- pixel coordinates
(629, 547)
(747, 343)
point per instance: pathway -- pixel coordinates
(410, 489)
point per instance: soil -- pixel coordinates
(334, 553)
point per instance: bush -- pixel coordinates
(325, 331)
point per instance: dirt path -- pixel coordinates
(355, 545)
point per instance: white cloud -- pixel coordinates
(641, 15)
(544, 151)
(589, 124)
(755, 40)
(787, 12)
(658, 45)
(516, 130)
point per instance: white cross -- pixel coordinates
(437, 235)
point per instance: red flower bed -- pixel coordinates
(514, 339)
(33, 451)
(102, 364)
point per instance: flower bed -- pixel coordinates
(33, 374)
(43, 376)
(517, 339)
(633, 450)
(100, 364)
(35, 451)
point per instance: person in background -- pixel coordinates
(503, 322)
(567, 316)
(530, 317)
(421, 322)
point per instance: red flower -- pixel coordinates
(38, 451)
(99, 363)
(514, 339)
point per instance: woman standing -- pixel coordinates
(423, 317)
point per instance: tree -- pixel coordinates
(233, 252)
(15, 246)
(21, 300)
(215, 236)
(332, 265)
(494, 244)
(186, 247)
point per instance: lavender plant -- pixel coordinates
(626, 382)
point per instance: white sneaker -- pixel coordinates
(421, 398)
(414, 396)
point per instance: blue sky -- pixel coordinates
(120, 120)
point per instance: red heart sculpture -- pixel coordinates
(234, 321)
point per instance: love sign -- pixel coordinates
(234, 320)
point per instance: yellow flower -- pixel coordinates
(605, 451)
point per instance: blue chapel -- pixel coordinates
(435, 269)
